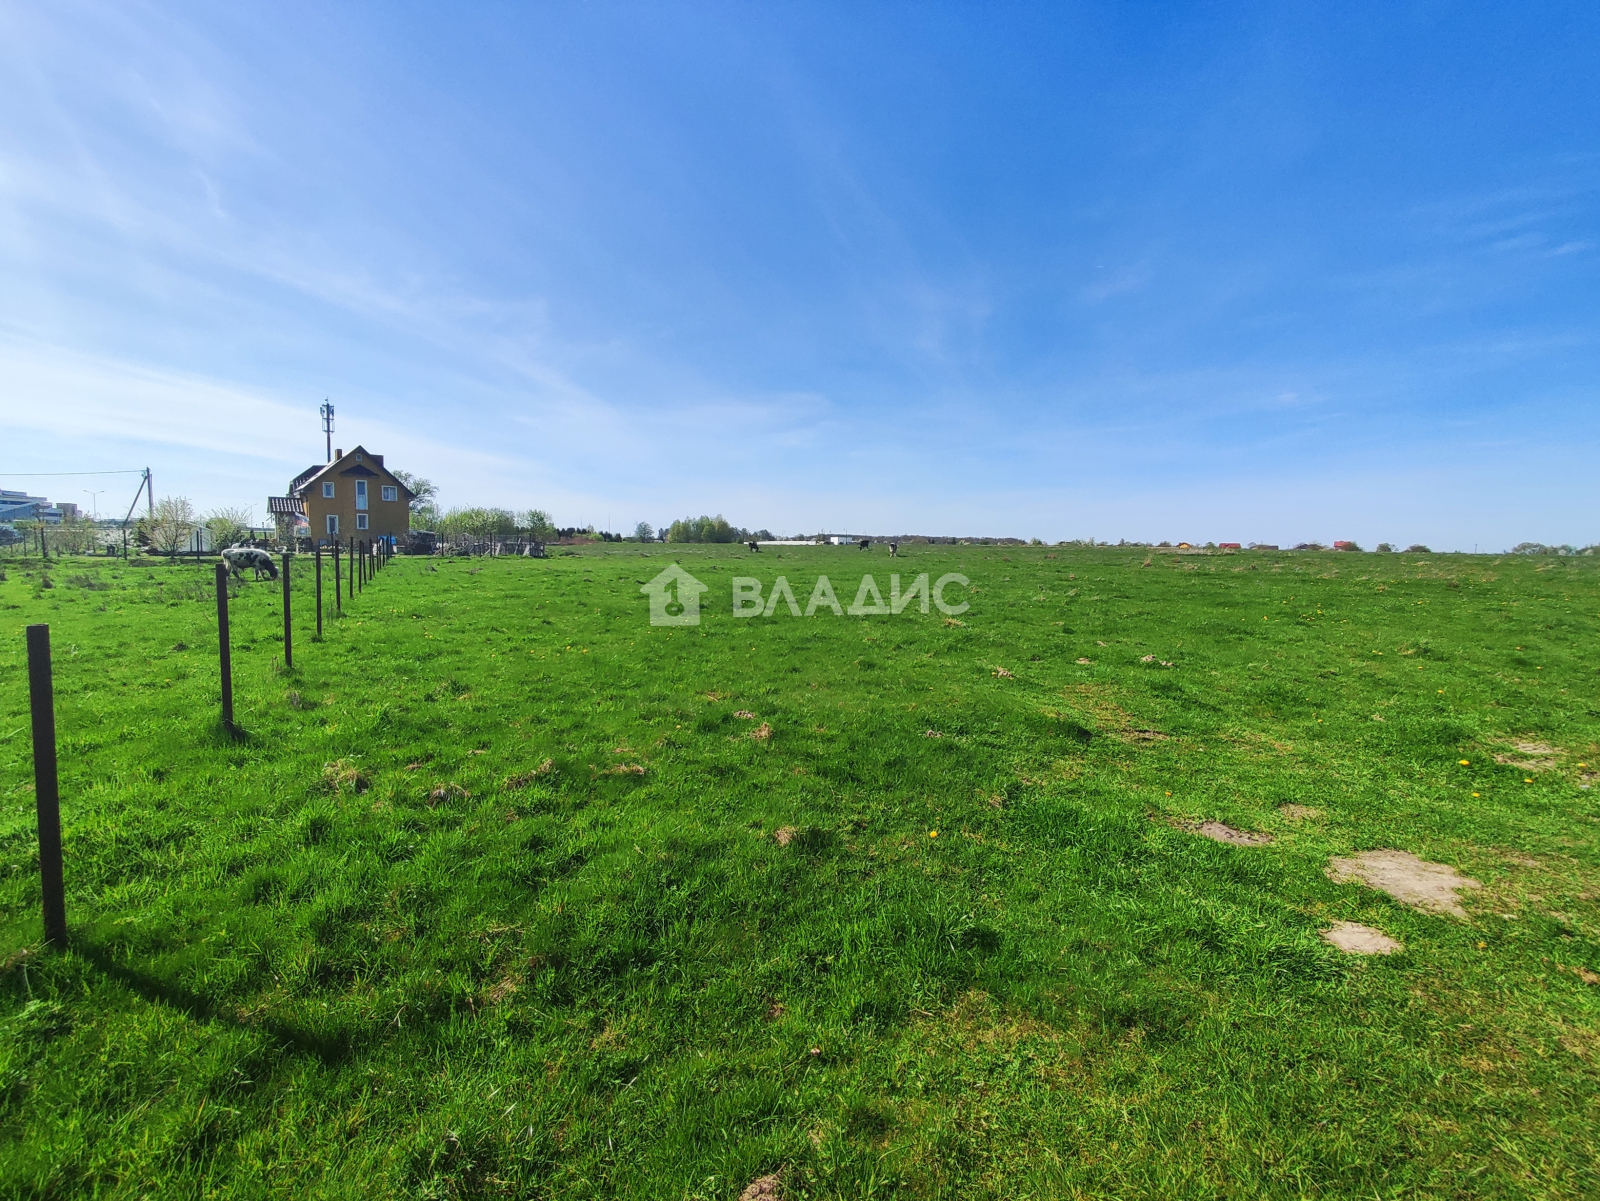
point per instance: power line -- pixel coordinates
(34, 475)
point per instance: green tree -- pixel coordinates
(705, 529)
(424, 492)
(477, 522)
(644, 532)
(227, 525)
(170, 524)
(539, 525)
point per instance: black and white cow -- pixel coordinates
(238, 558)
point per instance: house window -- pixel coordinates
(361, 521)
(327, 490)
(361, 494)
(333, 523)
(390, 492)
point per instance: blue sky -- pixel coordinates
(1266, 272)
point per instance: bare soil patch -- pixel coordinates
(1299, 813)
(1535, 755)
(1355, 939)
(764, 1188)
(1430, 887)
(785, 835)
(1218, 832)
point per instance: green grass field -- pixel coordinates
(490, 899)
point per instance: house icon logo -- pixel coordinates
(674, 598)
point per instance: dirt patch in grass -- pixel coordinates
(1532, 755)
(1430, 887)
(1355, 939)
(506, 986)
(763, 1188)
(523, 779)
(1299, 813)
(1136, 736)
(762, 732)
(784, 835)
(1221, 832)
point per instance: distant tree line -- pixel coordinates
(711, 529)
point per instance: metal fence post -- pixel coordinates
(225, 661)
(288, 627)
(46, 794)
(338, 604)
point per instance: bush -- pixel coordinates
(706, 529)
(476, 523)
(1416, 548)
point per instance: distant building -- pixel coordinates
(1337, 545)
(352, 497)
(1263, 546)
(1228, 546)
(19, 506)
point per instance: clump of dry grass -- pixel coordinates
(523, 779)
(342, 775)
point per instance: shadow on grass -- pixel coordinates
(331, 1051)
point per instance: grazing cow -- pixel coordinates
(864, 543)
(755, 546)
(238, 558)
(894, 550)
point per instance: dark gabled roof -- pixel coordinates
(285, 504)
(309, 476)
(300, 480)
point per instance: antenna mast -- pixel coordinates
(327, 427)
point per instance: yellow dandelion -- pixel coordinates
(1474, 794)
(1466, 763)
(933, 834)
(1527, 779)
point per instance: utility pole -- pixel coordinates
(327, 427)
(150, 493)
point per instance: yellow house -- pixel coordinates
(352, 497)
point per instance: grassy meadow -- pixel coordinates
(505, 893)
